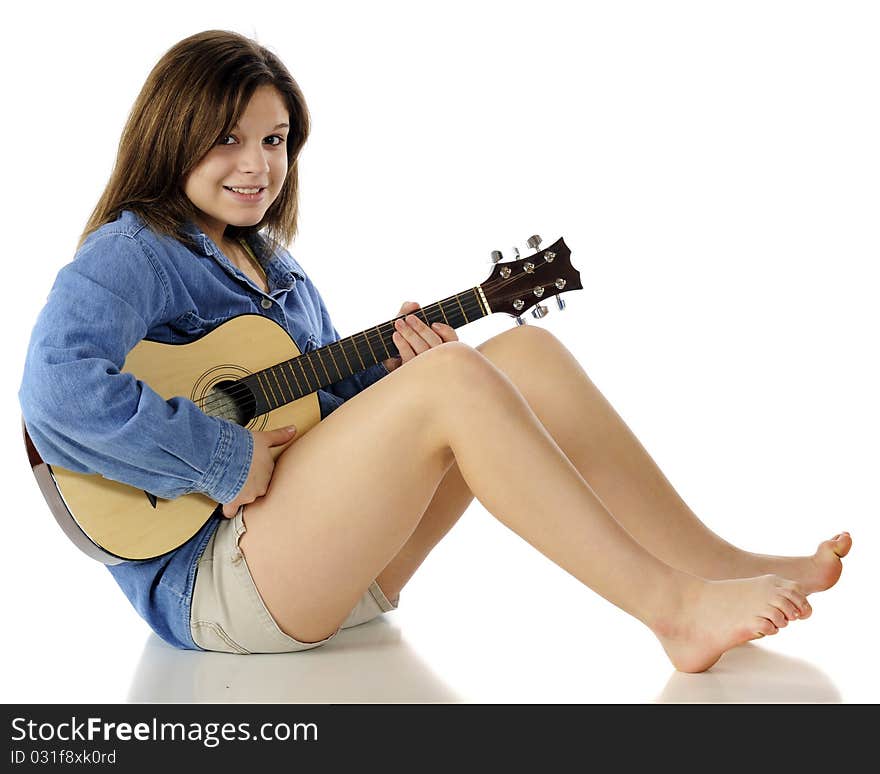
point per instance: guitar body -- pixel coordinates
(121, 520)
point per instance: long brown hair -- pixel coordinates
(194, 96)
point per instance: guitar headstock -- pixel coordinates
(516, 286)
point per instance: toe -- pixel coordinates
(765, 626)
(788, 608)
(799, 600)
(777, 617)
(841, 543)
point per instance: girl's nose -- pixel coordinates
(254, 159)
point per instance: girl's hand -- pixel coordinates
(412, 336)
(262, 467)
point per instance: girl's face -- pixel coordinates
(253, 156)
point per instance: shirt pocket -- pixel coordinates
(304, 340)
(311, 343)
(190, 326)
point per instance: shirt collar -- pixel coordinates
(204, 245)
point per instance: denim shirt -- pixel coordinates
(127, 283)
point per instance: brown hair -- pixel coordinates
(194, 96)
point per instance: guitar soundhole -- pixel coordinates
(231, 400)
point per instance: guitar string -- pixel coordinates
(472, 304)
(241, 390)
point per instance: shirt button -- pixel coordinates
(266, 303)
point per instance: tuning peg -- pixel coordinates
(539, 311)
(519, 321)
(560, 302)
(515, 253)
(495, 256)
(534, 242)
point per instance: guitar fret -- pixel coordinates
(305, 376)
(464, 314)
(347, 362)
(268, 371)
(358, 351)
(445, 318)
(333, 358)
(299, 388)
(308, 359)
(283, 376)
(382, 339)
(317, 353)
(373, 354)
(280, 389)
(261, 378)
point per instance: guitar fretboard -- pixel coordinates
(293, 379)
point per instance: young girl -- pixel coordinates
(312, 535)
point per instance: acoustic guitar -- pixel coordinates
(248, 370)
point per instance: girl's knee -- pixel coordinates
(522, 337)
(456, 363)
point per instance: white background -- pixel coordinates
(714, 169)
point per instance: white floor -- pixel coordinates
(519, 632)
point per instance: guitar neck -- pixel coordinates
(295, 378)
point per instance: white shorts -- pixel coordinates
(228, 613)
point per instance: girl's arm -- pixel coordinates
(83, 414)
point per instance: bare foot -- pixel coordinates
(825, 567)
(716, 616)
(814, 573)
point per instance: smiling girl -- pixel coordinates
(318, 532)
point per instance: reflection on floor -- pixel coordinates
(368, 663)
(373, 663)
(751, 674)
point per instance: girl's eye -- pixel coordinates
(271, 137)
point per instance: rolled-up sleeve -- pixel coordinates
(84, 414)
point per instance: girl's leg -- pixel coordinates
(623, 475)
(346, 497)
(450, 501)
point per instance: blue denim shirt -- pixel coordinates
(127, 283)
